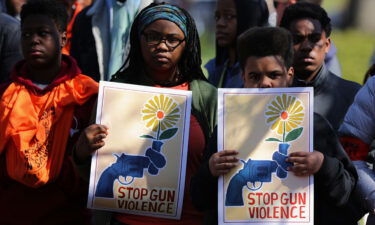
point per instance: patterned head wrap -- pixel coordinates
(162, 12)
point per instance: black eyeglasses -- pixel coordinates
(154, 38)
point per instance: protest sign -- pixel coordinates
(265, 125)
(141, 168)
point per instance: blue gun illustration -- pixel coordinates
(126, 166)
(253, 171)
(157, 159)
(280, 157)
(130, 166)
(257, 171)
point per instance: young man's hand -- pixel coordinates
(90, 140)
(305, 163)
(221, 162)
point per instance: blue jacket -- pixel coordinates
(232, 79)
(360, 119)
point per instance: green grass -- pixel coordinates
(354, 49)
(334, 5)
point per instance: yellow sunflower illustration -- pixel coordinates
(160, 112)
(284, 113)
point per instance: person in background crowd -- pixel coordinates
(9, 45)
(266, 56)
(372, 59)
(85, 3)
(232, 18)
(2, 6)
(310, 27)
(48, 96)
(73, 7)
(100, 37)
(272, 18)
(164, 52)
(331, 59)
(281, 5)
(369, 73)
(13, 7)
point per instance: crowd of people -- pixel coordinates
(53, 53)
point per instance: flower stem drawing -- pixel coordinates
(160, 113)
(285, 115)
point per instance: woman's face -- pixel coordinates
(226, 23)
(162, 45)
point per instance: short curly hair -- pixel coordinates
(306, 10)
(51, 8)
(265, 41)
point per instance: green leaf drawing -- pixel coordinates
(273, 139)
(294, 134)
(147, 136)
(168, 133)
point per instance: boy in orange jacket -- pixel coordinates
(41, 113)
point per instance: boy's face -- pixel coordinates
(41, 41)
(310, 45)
(266, 72)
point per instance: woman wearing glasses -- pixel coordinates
(165, 52)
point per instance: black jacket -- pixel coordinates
(332, 95)
(10, 51)
(83, 47)
(333, 183)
